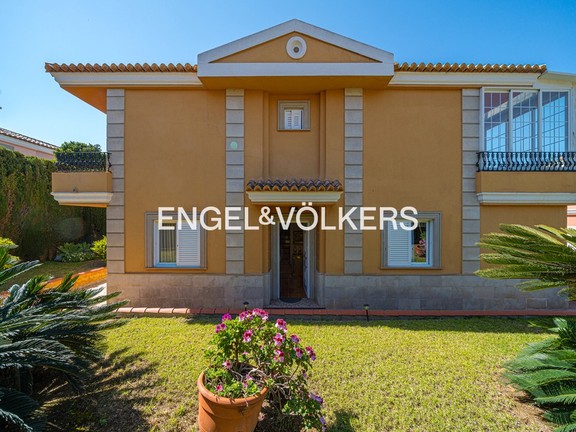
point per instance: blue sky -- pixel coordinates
(73, 31)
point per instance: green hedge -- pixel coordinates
(31, 217)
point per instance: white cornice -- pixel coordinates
(290, 27)
(272, 197)
(127, 79)
(558, 77)
(80, 198)
(221, 70)
(467, 79)
(527, 198)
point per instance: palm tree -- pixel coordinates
(57, 330)
(545, 255)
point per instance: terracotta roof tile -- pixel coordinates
(468, 67)
(294, 185)
(21, 137)
(144, 67)
(398, 67)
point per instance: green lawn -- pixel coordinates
(405, 375)
(55, 269)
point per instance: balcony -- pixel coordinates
(526, 178)
(526, 161)
(82, 179)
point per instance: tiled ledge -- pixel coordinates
(337, 313)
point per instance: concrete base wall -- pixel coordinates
(446, 292)
(185, 290)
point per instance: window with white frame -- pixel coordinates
(173, 247)
(294, 115)
(525, 120)
(416, 248)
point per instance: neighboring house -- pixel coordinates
(296, 114)
(572, 216)
(26, 145)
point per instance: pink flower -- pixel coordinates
(278, 339)
(295, 339)
(299, 352)
(248, 335)
(220, 327)
(311, 353)
(226, 317)
(260, 313)
(227, 364)
(281, 325)
(278, 356)
(219, 388)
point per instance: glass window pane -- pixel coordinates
(167, 246)
(420, 244)
(495, 120)
(524, 121)
(554, 121)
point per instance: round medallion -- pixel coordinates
(296, 47)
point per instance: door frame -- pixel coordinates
(275, 261)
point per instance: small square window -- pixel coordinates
(417, 248)
(294, 115)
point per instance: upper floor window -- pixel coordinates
(525, 121)
(294, 115)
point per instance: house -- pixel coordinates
(26, 145)
(299, 120)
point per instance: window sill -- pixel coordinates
(176, 269)
(294, 130)
(411, 268)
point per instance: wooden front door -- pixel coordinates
(292, 266)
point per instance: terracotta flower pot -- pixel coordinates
(220, 414)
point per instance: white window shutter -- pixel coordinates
(288, 119)
(188, 247)
(296, 119)
(399, 247)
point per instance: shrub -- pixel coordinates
(30, 216)
(75, 252)
(99, 248)
(6, 243)
(56, 331)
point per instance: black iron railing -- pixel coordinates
(526, 161)
(83, 161)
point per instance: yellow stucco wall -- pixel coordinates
(174, 156)
(294, 154)
(274, 51)
(525, 182)
(413, 157)
(493, 215)
(82, 182)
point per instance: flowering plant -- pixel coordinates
(250, 352)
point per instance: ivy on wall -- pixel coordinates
(31, 217)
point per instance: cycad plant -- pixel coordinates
(56, 330)
(547, 371)
(545, 255)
